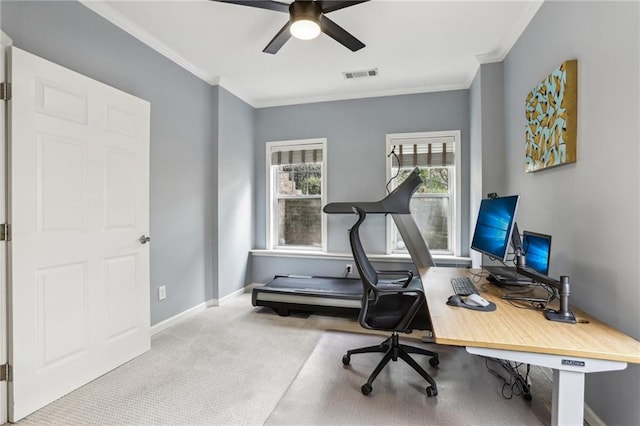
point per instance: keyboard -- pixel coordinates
(463, 286)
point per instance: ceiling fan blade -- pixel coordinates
(261, 4)
(329, 5)
(339, 34)
(279, 40)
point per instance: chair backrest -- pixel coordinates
(386, 311)
(365, 268)
(368, 274)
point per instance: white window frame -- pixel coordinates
(271, 200)
(456, 208)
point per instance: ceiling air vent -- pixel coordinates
(359, 74)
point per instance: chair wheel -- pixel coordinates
(434, 361)
(346, 359)
(431, 391)
(366, 389)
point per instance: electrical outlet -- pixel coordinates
(162, 292)
(349, 268)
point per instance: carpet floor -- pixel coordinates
(240, 365)
(327, 393)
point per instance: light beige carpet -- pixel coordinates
(236, 365)
(327, 393)
(229, 365)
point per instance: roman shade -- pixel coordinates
(425, 152)
(296, 156)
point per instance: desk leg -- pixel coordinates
(567, 407)
(568, 379)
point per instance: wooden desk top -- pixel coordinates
(512, 328)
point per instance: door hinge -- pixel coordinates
(5, 91)
(6, 373)
(5, 232)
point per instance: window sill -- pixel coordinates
(441, 260)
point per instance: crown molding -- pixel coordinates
(232, 88)
(101, 8)
(266, 103)
(107, 12)
(512, 35)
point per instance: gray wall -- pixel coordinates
(355, 132)
(475, 158)
(235, 192)
(487, 170)
(493, 143)
(183, 136)
(592, 207)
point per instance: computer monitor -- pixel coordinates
(494, 226)
(537, 251)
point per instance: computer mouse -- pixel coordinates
(476, 300)
(455, 300)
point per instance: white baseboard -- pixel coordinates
(163, 325)
(236, 293)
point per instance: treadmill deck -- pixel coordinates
(305, 293)
(336, 295)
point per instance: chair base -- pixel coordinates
(393, 349)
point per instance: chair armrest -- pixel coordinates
(384, 289)
(404, 282)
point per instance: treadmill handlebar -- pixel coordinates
(347, 207)
(396, 202)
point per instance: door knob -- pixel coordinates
(144, 239)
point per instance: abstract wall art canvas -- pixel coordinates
(551, 111)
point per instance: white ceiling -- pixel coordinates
(417, 46)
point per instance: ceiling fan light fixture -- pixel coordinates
(305, 19)
(305, 29)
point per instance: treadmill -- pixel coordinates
(341, 295)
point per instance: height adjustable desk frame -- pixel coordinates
(523, 335)
(567, 404)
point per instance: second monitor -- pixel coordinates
(537, 251)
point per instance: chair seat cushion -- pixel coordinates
(389, 311)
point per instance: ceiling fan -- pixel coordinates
(306, 20)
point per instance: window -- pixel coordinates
(296, 186)
(436, 204)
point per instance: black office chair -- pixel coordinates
(389, 307)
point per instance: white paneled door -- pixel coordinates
(78, 206)
(4, 43)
